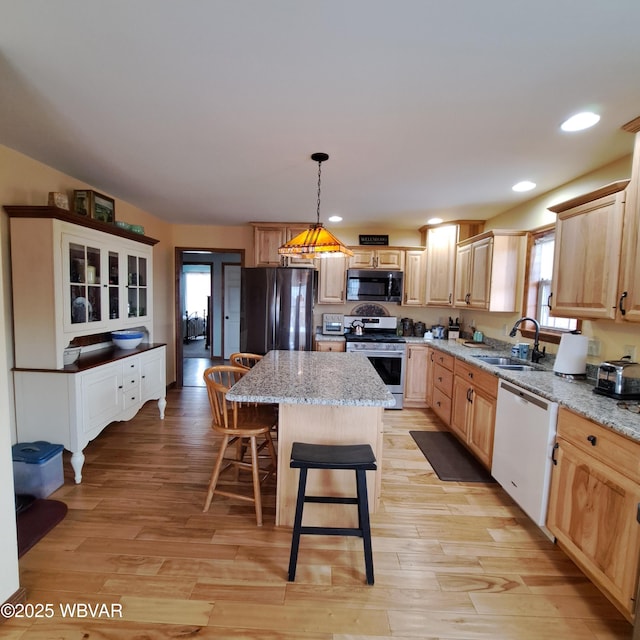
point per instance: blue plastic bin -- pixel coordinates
(37, 468)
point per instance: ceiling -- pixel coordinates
(207, 111)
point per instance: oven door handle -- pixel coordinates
(379, 354)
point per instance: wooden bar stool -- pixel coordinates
(358, 457)
(239, 424)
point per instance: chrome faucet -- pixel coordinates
(536, 354)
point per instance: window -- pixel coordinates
(538, 287)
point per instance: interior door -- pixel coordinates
(231, 304)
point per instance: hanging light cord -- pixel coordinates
(319, 175)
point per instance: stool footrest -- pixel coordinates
(331, 531)
(331, 500)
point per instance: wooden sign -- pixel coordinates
(374, 239)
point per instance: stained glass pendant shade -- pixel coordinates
(316, 241)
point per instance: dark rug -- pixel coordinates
(449, 458)
(36, 520)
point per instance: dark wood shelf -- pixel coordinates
(28, 211)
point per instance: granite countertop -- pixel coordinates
(313, 377)
(576, 395)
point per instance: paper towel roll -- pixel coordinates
(571, 358)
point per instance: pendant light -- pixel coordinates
(316, 241)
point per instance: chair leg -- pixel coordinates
(363, 522)
(215, 473)
(255, 472)
(297, 525)
(272, 451)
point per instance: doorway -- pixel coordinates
(207, 321)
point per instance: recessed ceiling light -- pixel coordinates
(525, 185)
(580, 121)
(434, 220)
(335, 219)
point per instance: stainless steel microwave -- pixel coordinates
(383, 286)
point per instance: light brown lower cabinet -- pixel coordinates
(442, 383)
(431, 354)
(330, 345)
(473, 409)
(415, 386)
(594, 502)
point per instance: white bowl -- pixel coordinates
(126, 339)
(70, 355)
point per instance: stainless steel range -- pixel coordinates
(376, 338)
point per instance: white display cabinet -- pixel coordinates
(74, 280)
(74, 277)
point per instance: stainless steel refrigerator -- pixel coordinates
(276, 309)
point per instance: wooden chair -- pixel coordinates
(245, 360)
(241, 424)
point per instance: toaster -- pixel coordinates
(619, 379)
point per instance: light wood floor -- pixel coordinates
(451, 560)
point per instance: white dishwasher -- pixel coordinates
(522, 448)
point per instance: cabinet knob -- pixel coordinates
(470, 374)
(593, 440)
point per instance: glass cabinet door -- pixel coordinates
(137, 278)
(113, 286)
(84, 284)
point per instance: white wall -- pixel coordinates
(9, 581)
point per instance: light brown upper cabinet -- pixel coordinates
(414, 277)
(367, 258)
(490, 271)
(441, 242)
(441, 264)
(630, 271)
(588, 247)
(269, 237)
(331, 279)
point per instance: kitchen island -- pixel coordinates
(323, 398)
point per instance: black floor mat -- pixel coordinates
(449, 458)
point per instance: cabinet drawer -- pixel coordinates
(131, 374)
(131, 397)
(330, 346)
(443, 359)
(477, 377)
(443, 380)
(600, 443)
(442, 406)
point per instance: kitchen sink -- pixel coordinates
(517, 367)
(509, 364)
(498, 360)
